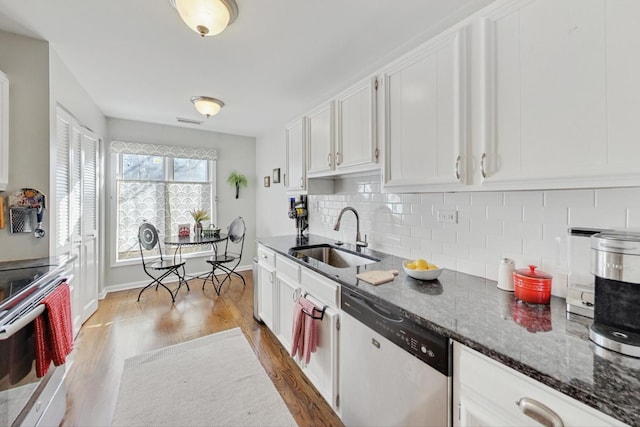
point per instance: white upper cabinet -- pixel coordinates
(425, 116)
(4, 131)
(294, 179)
(356, 127)
(320, 137)
(341, 133)
(561, 96)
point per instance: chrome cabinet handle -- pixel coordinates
(458, 168)
(482, 170)
(271, 277)
(284, 179)
(539, 412)
(301, 182)
(338, 160)
(329, 159)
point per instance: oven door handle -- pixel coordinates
(8, 330)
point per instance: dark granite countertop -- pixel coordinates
(538, 341)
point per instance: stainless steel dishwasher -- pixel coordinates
(394, 372)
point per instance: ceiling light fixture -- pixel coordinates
(207, 17)
(207, 106)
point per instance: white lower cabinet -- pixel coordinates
(267, 287)
(487, 393)
(276, 310)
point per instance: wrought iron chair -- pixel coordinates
(230, 259)
(163, 268)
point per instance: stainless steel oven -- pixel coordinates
(25, 399)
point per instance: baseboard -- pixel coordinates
(142, 283)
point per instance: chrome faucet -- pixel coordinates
(359, 243)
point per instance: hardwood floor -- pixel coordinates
(122, 328)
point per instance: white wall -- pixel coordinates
(272, 202)
(25, 61)
(234, 153)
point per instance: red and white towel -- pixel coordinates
(304, 339)
(53, 330)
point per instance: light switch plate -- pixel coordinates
(448, 216)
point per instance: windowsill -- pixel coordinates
(138, 261)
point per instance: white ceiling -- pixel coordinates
(139, 61)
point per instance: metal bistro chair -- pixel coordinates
(148, 240)
(230, 259)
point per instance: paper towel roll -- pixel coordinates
(505, 274)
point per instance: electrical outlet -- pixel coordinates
(448, 216)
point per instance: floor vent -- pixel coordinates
(192, 122)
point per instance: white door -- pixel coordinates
(76, 213)
(320, 153)
(356, 136)
(322, 369)
(295, 142)
(267, 300)
(89, 226)
(425, 115)
(286, 290)
(561, 93)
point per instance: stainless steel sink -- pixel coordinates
(335, 257)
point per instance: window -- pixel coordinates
(162, 185)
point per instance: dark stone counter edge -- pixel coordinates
(610, 408)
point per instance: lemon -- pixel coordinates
(421, 268)
(411, 265)
(422, 264)
(432, 267)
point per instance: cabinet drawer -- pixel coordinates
(266, 256)
(490, 391)
(323, 289)
(288, 268)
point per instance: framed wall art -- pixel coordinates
(267, 181)
(276, 176)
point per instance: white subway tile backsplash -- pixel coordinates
(618, 197)
(605, 217)
(529, 226)
(569, 198)
(538, 215)
(489, 198)
(457, 200)
(510, 213)
(524, 198)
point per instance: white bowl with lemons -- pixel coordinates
(421, 269)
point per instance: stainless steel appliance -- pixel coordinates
(616, 267)
(26, 399)
(580, 292)
(394, 372)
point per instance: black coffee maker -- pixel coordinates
(298, 211)
(615, 264)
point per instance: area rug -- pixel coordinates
(215, 380)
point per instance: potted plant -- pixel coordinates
(199, 215)
(237, 179)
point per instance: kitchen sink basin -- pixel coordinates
(335, 257)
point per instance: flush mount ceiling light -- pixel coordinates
(207, 106)
(207, 17)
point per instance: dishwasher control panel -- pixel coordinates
(426, 345)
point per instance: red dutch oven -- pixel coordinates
(531, 285)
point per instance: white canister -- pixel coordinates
(505, 274)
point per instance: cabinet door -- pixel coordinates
(320, 153)
(356, 118)
(4, 131)
(286, 289)
(489, 392)
(322, 369)
(425, 115)
(294, 178)
(267, 296)
(561, 92)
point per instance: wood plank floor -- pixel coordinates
(122, 328)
